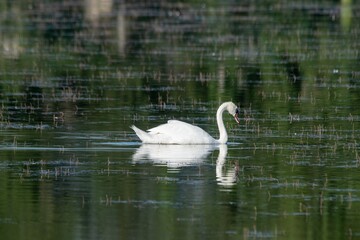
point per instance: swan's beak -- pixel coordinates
(236, 116)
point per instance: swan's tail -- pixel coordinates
(144, 136)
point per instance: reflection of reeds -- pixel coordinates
(69, 94)
(14, 142)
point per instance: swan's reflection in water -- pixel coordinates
(177, 156)
(225, 176)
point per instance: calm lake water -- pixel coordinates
(74, 75)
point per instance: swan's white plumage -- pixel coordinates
(174, 132)
(178, 132)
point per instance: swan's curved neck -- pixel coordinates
(223, 134)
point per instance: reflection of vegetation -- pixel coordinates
(293, 68)
(268, 53)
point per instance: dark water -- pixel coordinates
(74, 75)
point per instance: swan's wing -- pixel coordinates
(179, 132)
(170, 126)
(175, 127)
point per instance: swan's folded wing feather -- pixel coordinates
(172, 127)
(179, 132)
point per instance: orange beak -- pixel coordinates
(236, 116)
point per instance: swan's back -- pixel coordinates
(175, 132)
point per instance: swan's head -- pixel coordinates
(234, 111)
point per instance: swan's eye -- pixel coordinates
(237, 111)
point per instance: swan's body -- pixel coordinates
(178, 132)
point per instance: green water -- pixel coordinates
(74, 75)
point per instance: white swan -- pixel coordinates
(178, 132)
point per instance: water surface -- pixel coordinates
(74, 75)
